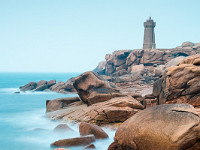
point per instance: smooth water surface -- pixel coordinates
(23, 124)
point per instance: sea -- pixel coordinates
(23, 121)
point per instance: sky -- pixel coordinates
(75, 35)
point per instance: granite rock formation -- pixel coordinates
(60, 87)
(168, 126)
(115, 110)
(92, 88)
(181, 83)
(83, 140)
(143, 63)
(87, 129)
(60, 103)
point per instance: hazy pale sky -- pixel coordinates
(74, 35)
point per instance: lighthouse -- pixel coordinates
(149, 34)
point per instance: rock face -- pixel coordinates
(59, 103)
(168, 127)
(87, 129)
(83, 140)
(114, 110)
(92, 88)
(181, 83)
(143, 66)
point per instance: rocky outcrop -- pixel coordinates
(87, 129)
(83, 140)
(115, 110)
(92, 88)
(59, 103)
(60, 87)
(143, 66)
(168, 126)
(181, 83)
(28, 87)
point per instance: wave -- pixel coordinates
(17, 90)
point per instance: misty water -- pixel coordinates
(23, 124)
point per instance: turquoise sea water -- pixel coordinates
(23, 124)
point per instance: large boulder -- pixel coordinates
(83, 140)
(59, 103)
(92, 88)
(163, 127)
(181, 83)
(87, 129)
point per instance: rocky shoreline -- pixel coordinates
(154, 95)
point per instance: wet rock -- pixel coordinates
(91, 146)
(83, 140)
(87, 129)
(92, 88)
(168, 126)
(59, 103)
(41, 88)
(29, 86)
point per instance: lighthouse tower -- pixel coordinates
(149, 34)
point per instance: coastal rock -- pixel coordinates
(123, 62)
(87, 129)
(168, 126)
(57, 87)
(181, 83)
(29, 86)
(91, 146)
(92, 88)
(42, 82)
(62, 128)
(114, 110)
(59, 103)
(51, 83)
(68, 86)
(41, 88)
(83, 140)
